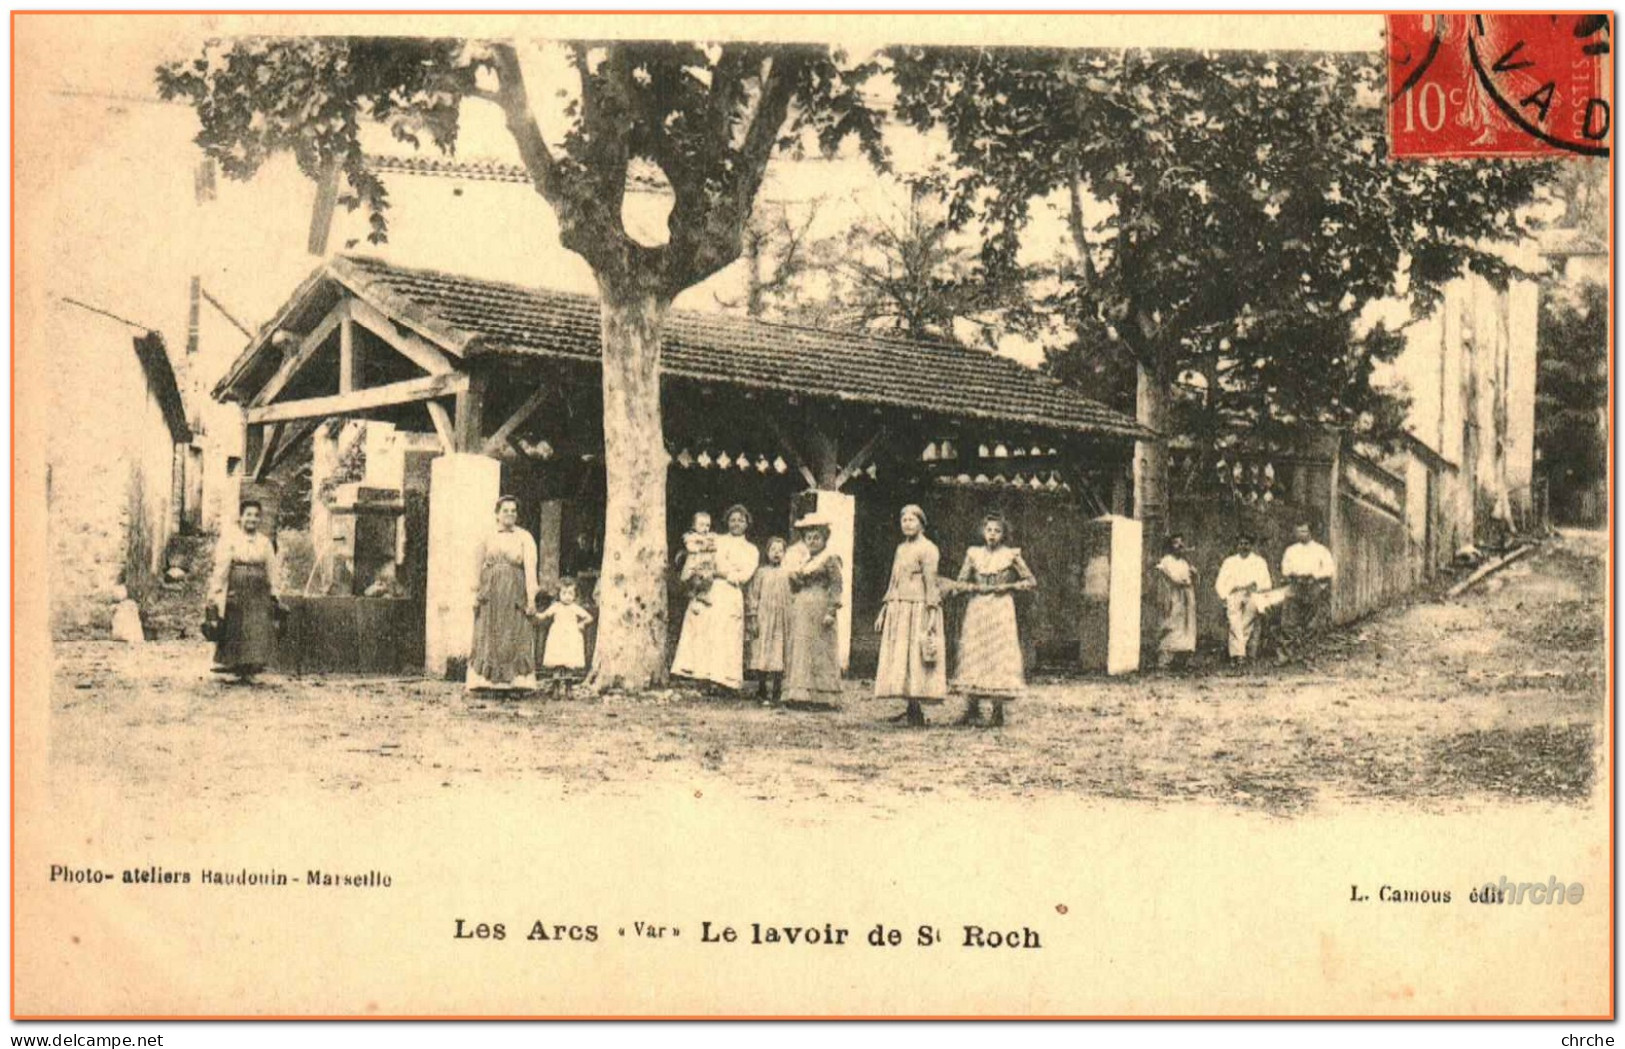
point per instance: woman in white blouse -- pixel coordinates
(711, 646)
(243, 594)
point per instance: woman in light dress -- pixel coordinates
(1176, 584)
(812, 674)
(990, 661)
(243, 594)
(504, 652)
(910, 624)
(711, 646)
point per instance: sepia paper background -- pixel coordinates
(1143, 908)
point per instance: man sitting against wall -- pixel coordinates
(1308, 568)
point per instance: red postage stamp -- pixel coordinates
(1499, 85)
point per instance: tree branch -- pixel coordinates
(708, 220)
(587, 226)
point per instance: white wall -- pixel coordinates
(110, 459)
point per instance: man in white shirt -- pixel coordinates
(1242, 575)
(1309, 569)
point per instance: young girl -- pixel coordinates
(566, 648)
(767, 621)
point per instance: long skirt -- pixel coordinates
(504, 653)
(1242, 616)
(1178, 620)
(812, 653)
(990, 648)
(902, 673)
(712, 644)
(248, 632)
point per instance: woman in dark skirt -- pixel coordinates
(504, 654)
(812, 665)
(243, 593)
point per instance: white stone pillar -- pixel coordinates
(1123, 638)
(463, 490)
(842, 511)
(1109, 619)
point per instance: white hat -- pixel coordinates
(813, 520)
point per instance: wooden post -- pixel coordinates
(470, 420)
(253, 447)
(826, 464)
(349, 356)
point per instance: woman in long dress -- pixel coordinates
(910, 624)
(812, 672)
(504, 655)
(711, 646)
(243, 592)
(767, 622)
(989, 643)
(1176, 582)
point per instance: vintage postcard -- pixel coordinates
(816, 515)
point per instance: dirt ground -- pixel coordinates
(1495, 696)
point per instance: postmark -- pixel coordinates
(1500, 85)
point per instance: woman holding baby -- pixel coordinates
(711, 646)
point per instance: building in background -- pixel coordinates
(116, 463)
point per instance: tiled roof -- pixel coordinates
(641, 176)
(482, 317)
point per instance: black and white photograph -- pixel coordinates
(767, 515)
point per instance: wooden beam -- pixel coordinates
(262, 465)
(828, 466)
(426, 388)
(442, 425)
(302, 356)
(515, 421)
(253, 446)
(861, 460)
(349, 359)
(469, 428)
(409, 344)
(299, 431)
(790, 450)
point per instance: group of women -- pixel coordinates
(777, 620)
(774, 618)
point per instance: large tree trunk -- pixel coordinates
(632, 617)
(1151, 459)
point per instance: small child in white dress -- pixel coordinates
(566, 648)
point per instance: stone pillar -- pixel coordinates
(463, 490)
(1123, 643)
(842, 511)
(1109, 621)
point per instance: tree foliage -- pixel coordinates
(1250, 213)
(1571, 391)
(708, 116)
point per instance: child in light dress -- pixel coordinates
(699, 559)
(566, 648)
